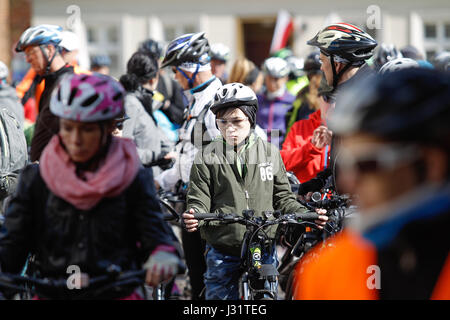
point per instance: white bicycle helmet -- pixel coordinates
(233, 95)
(69, 41)
(219, 51)
(40, 35)
(236, 95)
(398, 64)
(276, 67)
(4, 71)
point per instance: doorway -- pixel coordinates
(257, 36)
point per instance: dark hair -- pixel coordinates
(140, 69)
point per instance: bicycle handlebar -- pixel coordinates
(233, 217)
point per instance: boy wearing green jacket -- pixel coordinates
(233, 173)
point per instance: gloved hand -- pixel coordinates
(161, 265)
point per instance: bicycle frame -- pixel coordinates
(251, 266)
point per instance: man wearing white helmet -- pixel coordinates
(274, 101)
(41, 45)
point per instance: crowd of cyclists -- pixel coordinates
(85, 157)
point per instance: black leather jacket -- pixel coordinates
(123, 230)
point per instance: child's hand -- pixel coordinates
(190, 222)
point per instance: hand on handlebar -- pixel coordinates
(322, 218)
(161, 265)
(191, 224)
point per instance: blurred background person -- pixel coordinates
(274, 100)
(297, 79)
(306, 101)
(13, 151)
(42, 50)
(220, 54)
(8, 96)
(100, 63)
(244, 71)
(441, 61)
(168, 91)
(385, 52)
(153, 146)
(306, 150)
(395, 157)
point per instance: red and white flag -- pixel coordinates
(283, 29)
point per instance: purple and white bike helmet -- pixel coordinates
(88, 98)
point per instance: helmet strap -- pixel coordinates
(49, 62)
(190, 79)
(337, 76)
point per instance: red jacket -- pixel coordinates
(298, 153)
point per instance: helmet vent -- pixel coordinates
(90, 100)
(73, 93)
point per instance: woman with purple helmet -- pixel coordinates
(88, 203)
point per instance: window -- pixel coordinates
(430, 31)
(436, 37)
(447, 30)
(113, 34)
(92, 35)
(174, 30)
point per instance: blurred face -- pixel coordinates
(218, 68)
(376, 171)
(326, 68)
(233, 125)
(70, 57)
(274, 84)
(181, 79)
(36, 59)
(102, 70)
(81, 139)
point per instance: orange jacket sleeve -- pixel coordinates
(26, 82)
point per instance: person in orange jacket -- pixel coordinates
(395, 156)
(306, 149)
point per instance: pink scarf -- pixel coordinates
(118, 171)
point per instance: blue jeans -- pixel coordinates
(223, 273)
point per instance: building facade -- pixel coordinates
(116, 27)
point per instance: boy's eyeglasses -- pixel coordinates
(236, 122)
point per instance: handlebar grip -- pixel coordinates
(308, 216)
(203, 216)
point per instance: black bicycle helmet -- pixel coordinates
(385, 53)
(312, 63)
(192, 47)
(152, 47)
(410, 105)
(344, 43)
